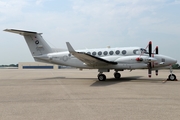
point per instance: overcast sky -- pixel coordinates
(90, 24)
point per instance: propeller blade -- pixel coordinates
(150, 59)
(150, 48)
(157, 50)
(149, 69)
(156, 72)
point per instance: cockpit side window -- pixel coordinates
(136, 51)
(144, 51)
(163, 60)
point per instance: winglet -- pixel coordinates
(70, 48)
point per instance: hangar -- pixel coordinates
(37, 65)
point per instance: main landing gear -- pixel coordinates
(102, 77)
(172, 76)
(117, 75)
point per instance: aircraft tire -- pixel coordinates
(101, 77)
(172, 77)
(117, 75)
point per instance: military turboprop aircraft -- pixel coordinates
(103, 59)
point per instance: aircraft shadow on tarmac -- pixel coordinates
(51, 78)
(123, 79)
(65, 78)
(109, 81)
(112, 81)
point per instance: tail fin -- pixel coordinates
(36, 43)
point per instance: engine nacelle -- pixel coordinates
(130, 59)
(139, 59)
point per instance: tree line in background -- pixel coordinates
(176, 66)
(11, 65)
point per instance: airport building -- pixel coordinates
(37, 65)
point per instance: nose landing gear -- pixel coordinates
(172, 76)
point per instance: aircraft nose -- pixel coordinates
(173, 61)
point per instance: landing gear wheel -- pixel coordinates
(172, 77)
(101, 77)
(117, 75)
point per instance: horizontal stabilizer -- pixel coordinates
(21, 32)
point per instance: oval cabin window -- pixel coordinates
(111, 52)
(105, 53)
(117, 52)
(94, 53)
(99, 53)
(124, 52)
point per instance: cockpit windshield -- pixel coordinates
(144, 51)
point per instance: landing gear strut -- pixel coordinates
(172, 76)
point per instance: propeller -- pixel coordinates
(150, 54)
(151, 58)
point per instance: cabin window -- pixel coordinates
(117, 52)
(89, 53)
(124, 52)
(105, 53)
(94, 53)
(99, 53)
(111, 52)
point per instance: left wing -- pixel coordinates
(89, 59)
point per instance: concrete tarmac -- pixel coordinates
(70, 94)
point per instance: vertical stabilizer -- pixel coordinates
(35, 41)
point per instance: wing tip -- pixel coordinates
(70, 48)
